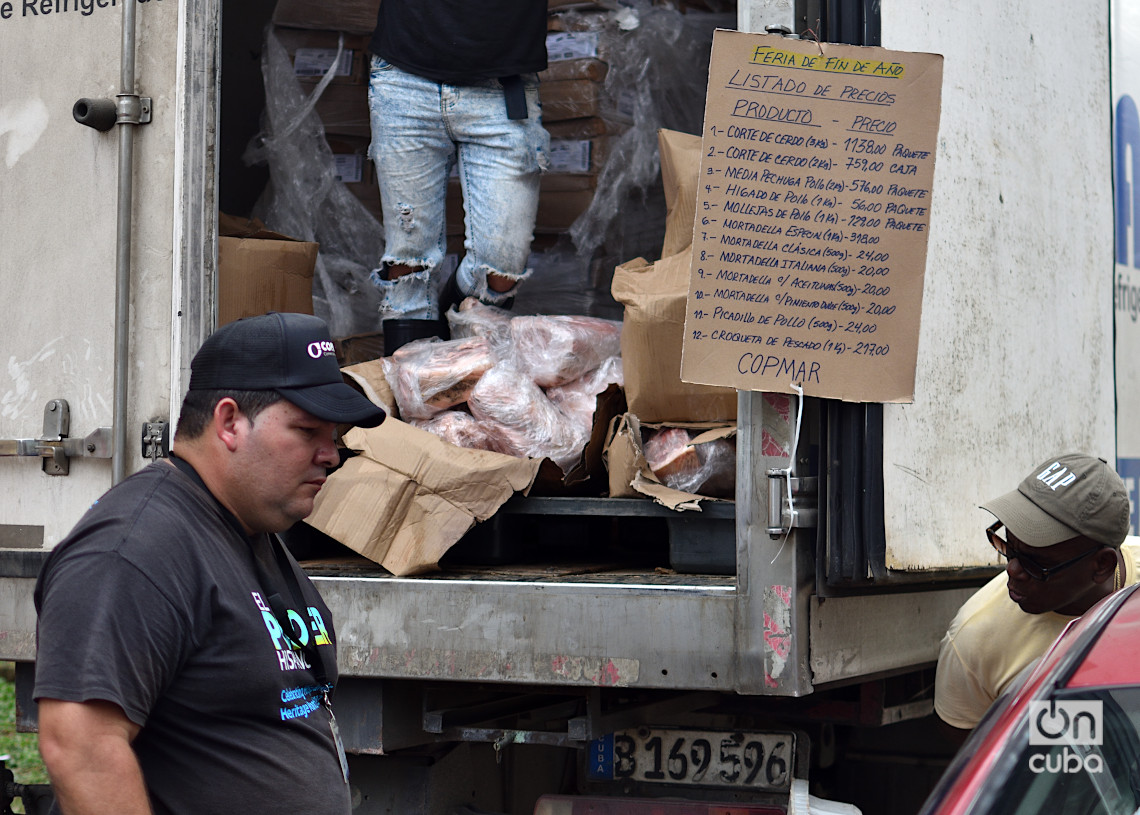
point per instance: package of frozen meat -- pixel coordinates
(523, 420)
(430, 375)
(461, 429)
(556, 349)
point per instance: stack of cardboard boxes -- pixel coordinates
(577, 110)
(581, 117)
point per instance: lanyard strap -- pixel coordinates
(265, 580)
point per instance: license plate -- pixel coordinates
(739, 759)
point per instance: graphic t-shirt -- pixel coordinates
(460, 42)
(154, 603)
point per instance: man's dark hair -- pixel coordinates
(198, 408)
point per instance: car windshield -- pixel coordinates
(1080, 755)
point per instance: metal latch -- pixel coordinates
(54, 446)
(797, 511)
(156, 440)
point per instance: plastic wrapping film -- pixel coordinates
(658, 69)
(304, 198)
(475, 319)
(431, 375)
(523, 418)
(578, 399)
(461, 429)
(702, 469)
(555, 349)
(658, 66)
(491, 368)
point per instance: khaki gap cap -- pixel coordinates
(1064, 497)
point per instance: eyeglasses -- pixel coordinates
(1030, 566)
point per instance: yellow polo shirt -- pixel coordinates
(991, 641)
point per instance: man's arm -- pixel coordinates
(86, 747)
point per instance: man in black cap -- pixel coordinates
(1063, 534)
(184, 659)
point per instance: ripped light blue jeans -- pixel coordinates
(420, 130)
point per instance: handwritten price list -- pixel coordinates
(813, 211)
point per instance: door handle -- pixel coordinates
(55, 446)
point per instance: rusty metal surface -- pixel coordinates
(642, 632)
(17, 619)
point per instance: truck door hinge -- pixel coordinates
(792, 502)
(155, 440)
(55, 447)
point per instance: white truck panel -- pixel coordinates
(58, 234)
(1016, 347)
(1126, 288)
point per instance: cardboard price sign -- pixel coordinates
(813, 211)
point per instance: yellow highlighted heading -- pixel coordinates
(767, 55)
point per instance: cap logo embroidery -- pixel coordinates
(1056, 476)
(316, 349)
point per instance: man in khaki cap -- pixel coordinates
(1062, 532)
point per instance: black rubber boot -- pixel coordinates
(399, 332)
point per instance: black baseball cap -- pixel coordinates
(292, 354)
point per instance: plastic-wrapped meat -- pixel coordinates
(669, 456)
(460, 428)
(427, 376)
(475, 319)
(579, 399)
(556, 349)
(718, 469)
(708, 468)
(523, 421)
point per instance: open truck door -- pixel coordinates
(108, 235)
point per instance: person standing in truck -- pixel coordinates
(1063, 534)
(184, 660)
(454, 83)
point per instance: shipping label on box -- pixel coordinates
(349, 167)
(569, 156)
(315, 62)
(563, 45)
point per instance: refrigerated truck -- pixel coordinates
(493, 688)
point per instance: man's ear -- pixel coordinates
(227, 418)
(1105, 562)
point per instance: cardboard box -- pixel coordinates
(260, 270)
(558, 210)
(567, 182)
(655, 297)
(629, 473)
(356, 171)
(680, 172)
(589, 68)
(359, 348)
(572, 99)
(343, 110)
(313, 52)
(408, 496)
(349, 16)
(589, 127)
